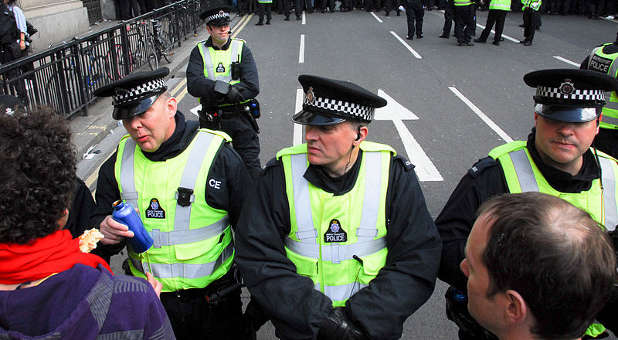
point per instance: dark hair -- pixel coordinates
(554, 255)
(37, 174)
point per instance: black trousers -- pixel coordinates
(449, 16)
(414, 17)
(607, 141)
(530, 21)
(245, 139)
(192, 317)
(494, 16)
(464, 23)
(8, 53)
(261, 8)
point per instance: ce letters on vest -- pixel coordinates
(335, 232)
(600, 64)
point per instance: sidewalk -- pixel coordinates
(91, 129)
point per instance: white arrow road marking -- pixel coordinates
(425, 169)
(566, 61)
(196, 109)
(298, 129)
(481, 115)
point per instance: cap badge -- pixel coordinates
(221, 12)
(309, 96)
(567, 87)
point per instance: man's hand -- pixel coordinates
(113, 231)
(156, 285)
(337, 326)
(234, 96)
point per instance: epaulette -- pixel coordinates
(480, 166)
(407, 165)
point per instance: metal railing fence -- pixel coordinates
(65, 76)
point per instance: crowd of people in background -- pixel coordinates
(593, 9)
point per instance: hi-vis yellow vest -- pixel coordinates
(338, 241)
(218, 63)
(606, 63)
(192, 244)
(522, 175)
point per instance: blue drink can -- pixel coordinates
(125, 214)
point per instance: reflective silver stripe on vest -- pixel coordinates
(343, 292)
(127, 173)
(371, 204)
(523, 170)
(235, 46)
(181, 233)
(161, 239)
(609, 194)
(367, 230)
(302, 204)
(184, 270)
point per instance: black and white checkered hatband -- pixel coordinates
(151, 87)
(337, 107)
(219, 15)
(568, 92)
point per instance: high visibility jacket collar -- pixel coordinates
(338, 240)
(522, 175)
(192, 240)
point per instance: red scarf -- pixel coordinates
(42, 257)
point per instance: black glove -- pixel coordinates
(234, 96)
(337, 326)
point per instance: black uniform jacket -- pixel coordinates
(401, 287)
(201, 87)
(227, 168)
(484, 180)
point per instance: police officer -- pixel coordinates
(414, 18)
(449, 15)
(338, 242)
(464, 21)
(264, 6)
(603, 59)
(556, 159)
(531, 19)
(222, 74)
(497, 14)
(187, 184)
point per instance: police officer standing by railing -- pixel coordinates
(223, 75)
(188, 185)
(604, 59)
(556, 159)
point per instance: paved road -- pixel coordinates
(448, 105)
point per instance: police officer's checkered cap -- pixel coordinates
(220, 15)
(339, 98)
(571, 87)
(148, 88)
(134, 87)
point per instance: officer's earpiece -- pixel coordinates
(357, 134)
